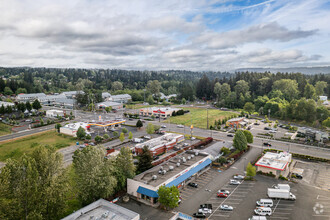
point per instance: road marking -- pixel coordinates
(224, 200)
(276, 205)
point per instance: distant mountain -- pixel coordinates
(304, 70)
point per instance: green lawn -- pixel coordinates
(4, 129)
(198, 117)
(16, 148)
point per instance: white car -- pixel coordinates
(163, 126)
(180, 126)
(226, 208)
(234, 182)
(224, 191)
(192, 138)
(205, 211)
(147, 137)
(239, 177)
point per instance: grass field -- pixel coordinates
(4, 129)
(198, 117)
(16, 148)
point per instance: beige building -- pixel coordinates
(158, 112)
(275, 163)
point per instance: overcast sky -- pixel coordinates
(201, 35)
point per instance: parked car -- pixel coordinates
(230, 135)
(234, 182)
(298, 176)
(147, 137)
(205, 208)
(199, 215)
(180, 200)
(131, 119)
(192, 138)
(163, 126)
(267, 128)
(226, 208)
(224, 191)
(267, 144)
(180, 126)
(239, 177)
(195, 185)
(155, 158)
(272, 131)
(222, 195)
(185, 144)
(256, 123)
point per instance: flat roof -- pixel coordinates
(147, 176)
(276, 161)
(163, 109)
(102, 209)
(159, 141)
(236, 119)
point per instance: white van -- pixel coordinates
(263, 211)
(258, 218)
(265, 202)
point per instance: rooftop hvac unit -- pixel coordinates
(192, 156)
(154, 177)
(160, 171)
(171, 167)
(184, 159)
(161, 167)
(177, 164)
(189, 157)
(106, 214)
(196, 153)
(164, 172)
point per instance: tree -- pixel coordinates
(34, 187)
(21, 90)
(88, 137)
(98, 139)
(2, 109)
(150, 128)
(122, 137)
(124, 166)
(115, 134)
(222, 160)
(145, 160)
(108, 109)
(288, 87)
(57, 127)
(81, 133)
(139, 124)
(322, 113)
(117, 85)
(250, 170)
(204, 88)
(94, 174)
(242, 87)
(36, 104)
(319, 87)
(8, 91)
(309, 91)
(249, 107)
(217, 90)
(183, 101)
(130, 136)
(150, 100)
(106, 136)
(239, 141)
(169, 196)
(124, 130)
(28, 106)
(326, 122)
(225, 150)
(224, 91)
(249, 136)
(154, 86)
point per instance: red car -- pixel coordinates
(222, 195)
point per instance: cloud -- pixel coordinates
(257, 33)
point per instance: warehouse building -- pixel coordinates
(158, 112)
(177, 171)
(29, 97)
(160, 144)
(102, 209)
(275, 163)
(123, 98)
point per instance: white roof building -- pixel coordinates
(277, 163)
(102, 209)
(123, 98)
(5, 104)
(29, 97)
(106, 96)
(72, 94)
(113, 105)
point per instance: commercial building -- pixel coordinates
(29, 97)
(275, 163)
(72, 94)
(158, 112)
(71, 129)
(123, 98)
(177, 171)
(113, 105)
(105, 210)
(236, 122)
(160, 144)
(65, 103)
(311, 134)
(50, 99)
(5, 104)
(54, 113)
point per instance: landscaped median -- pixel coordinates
(16, 148)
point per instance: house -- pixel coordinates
(103, 209)
(113, 105)
(106, 96)
(123, 98)
(275, 163)
(29, 97)
(236, 123)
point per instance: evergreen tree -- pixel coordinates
(239, 141)
(145, 160)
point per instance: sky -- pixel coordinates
(197, 35)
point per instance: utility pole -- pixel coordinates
(269, 114)
(207, 115)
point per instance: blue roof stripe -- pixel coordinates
(147, 192)
(188, 174)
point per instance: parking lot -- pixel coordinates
(311, 203)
